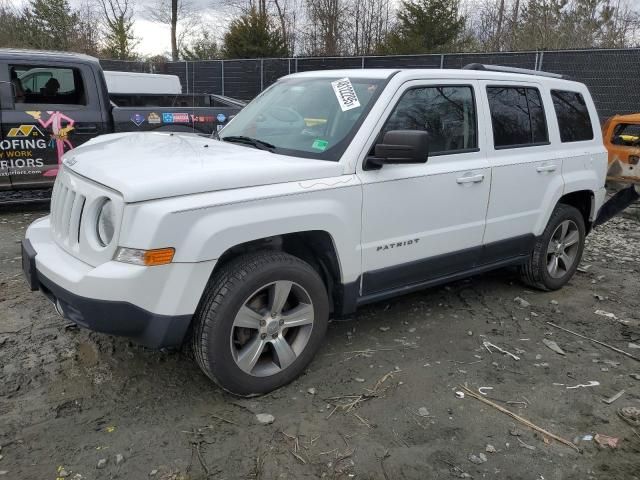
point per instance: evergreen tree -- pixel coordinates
(425, 26)
(253, 35)
(202, 47)
(50, 24)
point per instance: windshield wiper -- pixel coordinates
(254, 142)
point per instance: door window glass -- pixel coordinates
(448, 114)
(626, 134)
(517, 117)
(39, 84)
(573, 117)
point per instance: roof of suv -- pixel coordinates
(435, 73)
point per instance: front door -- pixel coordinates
(52, 111)
(426, 221)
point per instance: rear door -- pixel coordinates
(55, 107)
(526, 167)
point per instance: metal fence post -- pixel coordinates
(261, 74)
(222, 75)
(540, 60)
(296, 64)
(441, 61)
(186, 74)
(363, 62)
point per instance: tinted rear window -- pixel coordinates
(517, 117)
(573, 117)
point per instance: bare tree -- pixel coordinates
(117, 20)
(180, 15)
(501, 25)
(324, 33)
(370, 20)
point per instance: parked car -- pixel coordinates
(51, 102)
(246, 245)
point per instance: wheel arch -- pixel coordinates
(584, 201)
(316, 247)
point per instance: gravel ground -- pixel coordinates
(40, 195)
(80, 405)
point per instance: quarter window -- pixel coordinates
(573, 117)
(447, 113)
(517, 117)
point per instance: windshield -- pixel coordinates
(306, 117)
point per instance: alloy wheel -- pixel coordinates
(272, 328)
(563, 248)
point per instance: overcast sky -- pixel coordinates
(154, 38)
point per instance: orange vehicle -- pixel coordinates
(621, 135)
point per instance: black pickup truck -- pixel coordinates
(51, 102)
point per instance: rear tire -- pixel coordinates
(557, 252)
(260, 322)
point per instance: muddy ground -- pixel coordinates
(70, 398)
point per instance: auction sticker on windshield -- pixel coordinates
(346, 94)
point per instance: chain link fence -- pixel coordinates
(611, 75)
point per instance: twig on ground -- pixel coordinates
(259, 465)
(346, 403)
(610, 400)
(224, 419)
(525, 445)
(524, 421)
(362, 420)
(201, 460)
(302, 460)
(626, 354)
(329, 452)
(488, 345)
(452, 466)
(384, 470)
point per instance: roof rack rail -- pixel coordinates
(524, 71)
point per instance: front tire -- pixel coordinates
(262, 319)
(557, 252)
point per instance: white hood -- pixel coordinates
(145, 166)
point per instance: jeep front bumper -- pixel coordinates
(152, 305)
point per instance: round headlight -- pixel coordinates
(104, 227)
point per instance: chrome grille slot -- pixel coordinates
(67, 206)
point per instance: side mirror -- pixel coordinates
(400, 146)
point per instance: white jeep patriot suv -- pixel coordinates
(328, 191)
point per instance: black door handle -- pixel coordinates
(86, 129)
